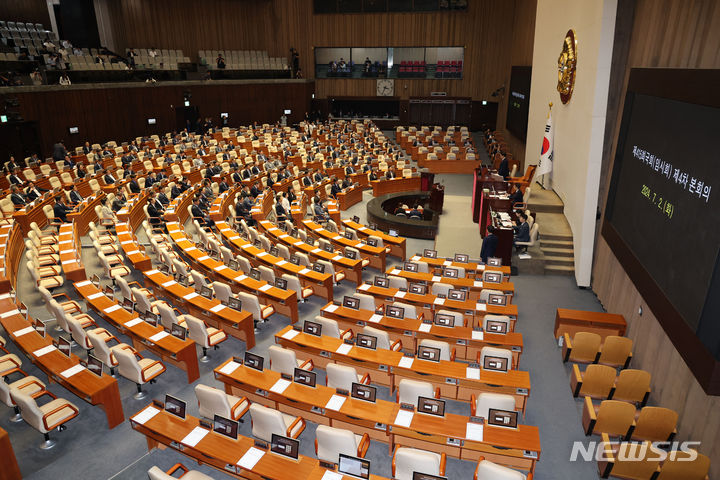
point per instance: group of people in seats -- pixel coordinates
(622, 414)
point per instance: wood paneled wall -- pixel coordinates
(35, 11)
(121, 114)
(485, 30)
(671, 34)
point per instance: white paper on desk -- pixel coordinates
(337, 258)
(169, 283)
(112, 309)
(406, 362)
(42, 351)
(477, 284)
(95, 295)
(435, 278)
(83, 283)
(394, 271)
(194, 437)
(133, 252)
(236, 237)
(203, 258)
(151, 272)
(265, 287)
(364, 287)
(474, 431)
(284, 235)
(481, 267)
(337, 237)
(478, 335)
(133, 322)
(65, 262)
(251, 458)
(72, 371)
(145, 415)
(425, 327)
(190, 249)
(481, 307)
(22, 331)
(64, 242)
(335, 403)
(439, 301)
(217, 308)
(344, 349)
(126, 242)
(159, 336)
(190, 296)
(447, 263)
(375, 318)
(240, 278)
(290, 334)
(246, 246)
(304, 271)
(281, 263)
(220, 268)
(229, 368)
(404, 418)
(298, 243)
(330, 475)
(331, 308)
(472, 373)
(400, 294)
(362, 229)
(262, 254)
(415, 258)
(280, 386)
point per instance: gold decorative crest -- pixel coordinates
(567, 63)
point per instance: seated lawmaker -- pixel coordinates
(522, 230)
(489, 244)
(60, 209)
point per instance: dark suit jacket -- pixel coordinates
(17, 199)
(134, 186)
(334, 190)
(108, 179)
(61, 211)
(503, 169)
(197, 212)
(163, 198)
(15, 180)
(75, 196)
(523, 233)
(33, 194)
(489, 246)
(153, 210)
(237, 178)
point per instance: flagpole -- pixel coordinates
(542, 181)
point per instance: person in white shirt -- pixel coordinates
(285, 202)
(64, 79)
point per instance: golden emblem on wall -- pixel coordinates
(567, 63)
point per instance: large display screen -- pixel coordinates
(662, 218)
(519, 101)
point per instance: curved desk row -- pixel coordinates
(376, 255)
(474, 287)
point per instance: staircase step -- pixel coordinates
(559, 270)
(556, 243)
(555, 236)
(555, 260)
(541, 208)
(558, 252)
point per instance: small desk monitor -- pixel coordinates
(284, 446)
(428, 353)
(363, 392)
(418, 288)
(274, 251)
(431, 406)
(151, 318)
(255, 273)
(450, 272)
(225, 426)
(348, 234)
(95, 281)
(64, 346)
(40, 327)
(178, 331)
(354, 466)
(350, 254)
(494, 262)
(175, 406)
(444, 320)
(495, 299)
(351, 302)
(294, 259)
(461, 258)
(257, 244)
(496, 326)
(206, 292)
(502, 418)
(429, 253)
(95, 365)
(235, 303)
(392, 232)
(495, 363)
(281, 283)
(492, 277)
(312, 328)
(254, 361)
(128, 304)
(356, 219)
(366, 341)
(372, 242)
(233, 265)
(393, 311)
(303, 377)
(383, 282)
(329, 248)
(427, 476)
(318, 267)
(457, 294)
(410, 267)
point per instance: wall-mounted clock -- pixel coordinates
(567, 64)
(385, 87)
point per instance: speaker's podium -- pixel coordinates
(485, 208)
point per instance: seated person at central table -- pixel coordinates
(417, 210)
(522, 230)
(320, 211)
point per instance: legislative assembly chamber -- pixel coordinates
(359, 239)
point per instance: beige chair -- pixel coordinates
(502, 353)
(616, 352)
(582, 348)
(48, 282)
(596, 381)
(68, 306)
(356, 254)
(156, 473)
(481, 405)
(367, 302)
(45, 238)
(409, 390)
(47, 417)
(458, 318)
(213, 401)
(284, 361)
(409, 310)
(110, 270)
(383, 339)
(486, 470)
(485, 294)
(80, 335)
(629, 460)
(42, 249)
(170, 316)
(293, 283)
(446, 353)
(330, 269)
(342, 376)
(330, 328)
(633, 386)
(267, 274)
(251, 304)
(611, 417)
(203, 335)
(397, 282)
(126, 291)
(28, 385)
(406, 461)
(266, 421)
(144, 304)
(137, 369)
(496, 319)
(103, 351)
(439, 288)
(331, 442)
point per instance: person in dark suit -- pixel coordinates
(307, 181)
(254, 170)
(60, 209)
(75, 196)
(108, 179)
(522, 230)
(14, 178)
(154, 212)
(133, 184)
(81, 172)
(516, 197)
(280, 213)
(389, 175)
(504, 169)
(199, 215)
(318, 177)
(87, 148)
(17, 199)
(489, 244)
(175, 191)
(223, 186)
(236, 176)
(59, 151)
(32, 192)
(255, 190)
(162, 198)
(349, 170)
(335, 189)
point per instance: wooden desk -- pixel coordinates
(26, 215)
(167, 430)
(131, 248)
(474, 287)
(396, 244)
(376, 255)
(573, 321)
(438, 434)
(70, 253)
(351, 268)
(350, 197)
(383, 187)
(11, 250)
(181, 353)
(384, 368)
(85, 213)
(95, 390)
(472, 269)
(9, 469)
(239, 324)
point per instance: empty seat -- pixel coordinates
(331, 442)
(612, 417)
(283, 360)
(582, 348)
(268, 421)
(213, 401)
(203, 335)
(492, 323)
(409, 390)
(616, 352)
(342, 376)
(406, 461)
(27, 384)
(155, 473)
(486, 470)
(480, 406)
(655, 424)
(330, 328)
(383, 339)
(446, 353)
(47, 417)
(137, 369)
(496, 353)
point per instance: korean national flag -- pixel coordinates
(546, 153)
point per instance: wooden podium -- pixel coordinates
(437, 198)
